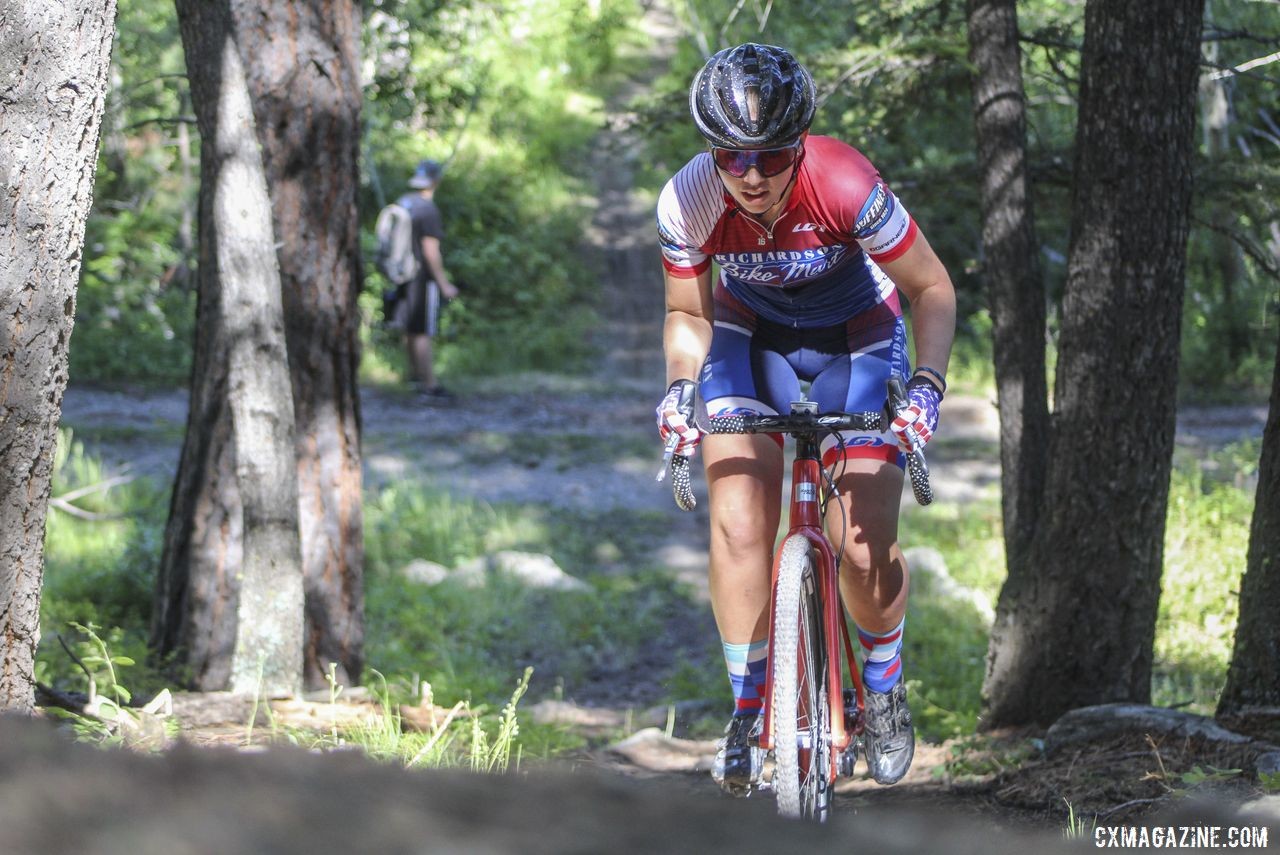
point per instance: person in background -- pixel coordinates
(424, 292)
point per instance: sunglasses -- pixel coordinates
(768, 161)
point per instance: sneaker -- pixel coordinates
(739, 762)
(891, 740)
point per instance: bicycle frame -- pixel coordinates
(806, 521)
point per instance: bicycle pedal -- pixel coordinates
(853, 722)
(847, 762)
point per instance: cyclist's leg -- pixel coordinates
(868, 469)
(874, 582)
(873, 574)
(744, 477)
(744, 480)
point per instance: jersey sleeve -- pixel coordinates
(859, 201)
(883, 228)
(688, 208)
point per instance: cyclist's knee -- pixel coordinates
(870, 563)
(742, 531)
(856, 562)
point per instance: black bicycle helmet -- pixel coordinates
(752, 96)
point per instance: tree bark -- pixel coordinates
(56, 58)
(1011, 267)
(1078, 629)
(1253, 678)
(305, 84)
(230, 595)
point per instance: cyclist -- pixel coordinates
(812, 248)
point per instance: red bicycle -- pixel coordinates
(812, 722)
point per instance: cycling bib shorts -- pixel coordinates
(757, 366)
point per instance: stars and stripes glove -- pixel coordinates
(915, 425)
(675, 418)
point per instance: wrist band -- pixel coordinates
(933, 372)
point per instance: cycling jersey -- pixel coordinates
(802, 300)
(815, 265)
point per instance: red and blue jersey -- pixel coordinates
(816, 265)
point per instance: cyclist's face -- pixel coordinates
(754, 193)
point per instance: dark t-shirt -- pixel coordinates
(426, 221)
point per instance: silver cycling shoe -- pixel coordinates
(739, 762)
(890, 738)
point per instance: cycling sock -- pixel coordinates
(882, 657)
(746, 664)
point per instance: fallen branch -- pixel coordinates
(68, 508)
(64, 501)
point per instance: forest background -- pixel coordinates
(511, 96)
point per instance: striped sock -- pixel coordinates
(746, 664)
(882, 657)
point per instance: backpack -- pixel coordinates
(395, 258)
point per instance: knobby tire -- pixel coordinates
(799, 700)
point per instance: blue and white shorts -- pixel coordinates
(756, 366)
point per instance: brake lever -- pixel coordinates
(668, 452)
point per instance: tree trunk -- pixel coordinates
(305, 84)
(230, 594)
(1078, 630)
(55, 58)
(1011, 267)
(1253, 680)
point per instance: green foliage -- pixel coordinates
(945, 645)
(974, 757)
(1077, 828)
(135, 306)
(99, 572)
(100, 665)
(510, 95)
(1206, 543)
(106, 718)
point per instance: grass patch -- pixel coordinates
(944, 654)
(970, 538)
(1206, 545)
(634, 635)
(98, 572)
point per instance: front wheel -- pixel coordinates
(798, 703)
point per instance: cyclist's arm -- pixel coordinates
(920, 275)
(686, 335)
(435, 264)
